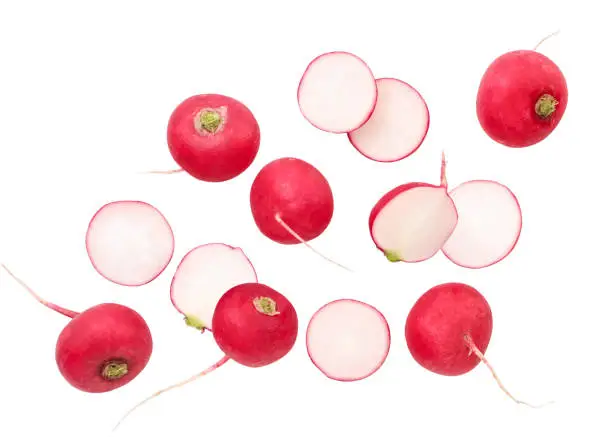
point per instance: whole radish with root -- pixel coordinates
(212, 137)
(102, 348)
(449, 329)
(253, 325)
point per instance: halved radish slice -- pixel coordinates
(337, 92)
(348, 340)
(489, 225)
(398, 125)
(204, 274)
(412, 222)
(129, 242)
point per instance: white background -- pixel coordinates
(86, 89)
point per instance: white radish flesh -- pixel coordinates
(204, 274)
(348, 340)
(337, 92)
(398, 125)
(129, 242)
(489, 225)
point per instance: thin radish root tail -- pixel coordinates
(57, 308)
(176, 170)
(443, 181)
(301, 240)
(218, 364)
(546, 38)
(474, 349)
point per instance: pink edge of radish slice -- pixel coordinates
(129, 242)
(415, 224)
(204, 274)
(215, 366)
(489, 225)
(348, 340)
(398, 125)
(337, 93)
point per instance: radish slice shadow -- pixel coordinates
(204, 274)
(348, 340)
(412, 222)
(489, 225)
(129, 242)
(337, 92)
(398, 125)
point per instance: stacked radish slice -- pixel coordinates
(475, 225)
(385, 119)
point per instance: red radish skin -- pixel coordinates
(101, 349)
(204, 274)
(449, 329)
(411, 222)
(489, 225)
(348, 340)
(129, 242)
(253, 324)
(292, 202)
(337, 92)
(397, 127)
(521, 98)
(213, 137)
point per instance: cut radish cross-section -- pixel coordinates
(129, 242)
(412, 222)
(203, 276)
(348, 340)
(398, 125)
(337, 92)
(489, 224)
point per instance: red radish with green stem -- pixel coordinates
(101, 349)
(253, 325)
(212, 137)
(489, 224)
(521, 98)
(337, 92)
(397, 127)
(292, 202)
(411, 222)
(129, 242)
(204, 274)
(348, 340)
(449, 329)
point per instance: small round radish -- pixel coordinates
(204, 274)
(412, 222)
(449, 329)
(253, 324)
(398, 125)
(129, 242)
(489, 224)
(102, 348)
(337, 92)
(213, 137)
(521, 98)
(348, 340)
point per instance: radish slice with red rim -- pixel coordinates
(204, 274)
(348, 340)
(489, 225)
(398, 126)
(337, 92)
(129, 242)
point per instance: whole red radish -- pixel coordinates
(253, 324)
(411, 222)
(449, 329)
(213, 137)
(292, 202)
(521, 98)
(101, 349)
